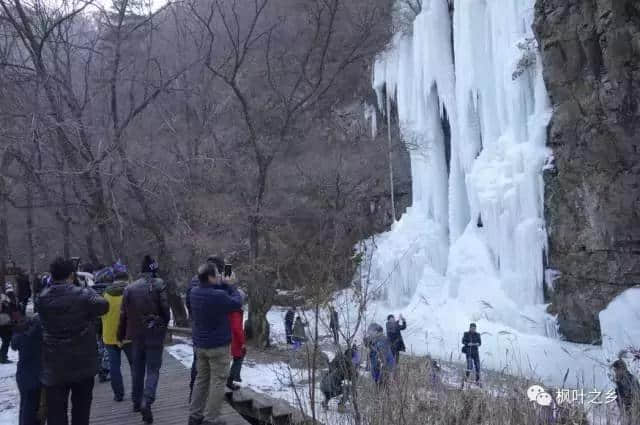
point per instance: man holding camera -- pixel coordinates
(211, 302)
(69, 356)
(144, 316)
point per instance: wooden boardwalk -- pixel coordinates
(170, 408)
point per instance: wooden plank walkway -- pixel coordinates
(171, 406)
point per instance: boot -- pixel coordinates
(195, 421)
(232, 386)
(147, 416)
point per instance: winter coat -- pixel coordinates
(288, 319)
(194, 283)
(236, 319)
(381, 357)
(23, 288)
(68, 314)
(110, 321)
(27, 340)
(627, 391)
(340, 368)
(395, 336)
(210, 308)
(144, 313)
(10, 312)
(468, 338)
(299, 333)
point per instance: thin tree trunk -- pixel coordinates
(4, 234)
(30, 241)
(260, 295)
(91, 250)
(66, 222)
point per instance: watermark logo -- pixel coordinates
(539, 395)
(563, 396)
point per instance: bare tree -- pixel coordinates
(278, 83)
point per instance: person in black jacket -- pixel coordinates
(23, 287)
(288, 324)
(144, 316)
(27, 341)
(340, 368)
(394, 335)
(69, 355)
(471, 341)
(627, 392)
(9, 312)
(334, 325)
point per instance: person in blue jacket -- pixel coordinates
(211, 302)
(27, 340)
(380, 355)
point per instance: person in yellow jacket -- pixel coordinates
(110, 321)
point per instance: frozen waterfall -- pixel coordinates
(472, 246)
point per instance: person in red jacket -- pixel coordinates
(238, 348)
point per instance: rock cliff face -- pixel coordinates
(591, 56)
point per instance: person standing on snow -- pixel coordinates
(27, 341)
(382, 361)
(238, 348)
(299, 335)
(394, 328)
(627, 393)
(471, 341)
(144, 316)
(340, 368)
(9, 312)
(334, 325)
(288, 324)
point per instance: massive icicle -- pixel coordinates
(498, 152)
(472, 245)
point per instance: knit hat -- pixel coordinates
(149, 265)
(120, 269)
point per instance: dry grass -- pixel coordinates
(412, 399)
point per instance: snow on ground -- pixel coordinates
(9, 396)
(275, 380)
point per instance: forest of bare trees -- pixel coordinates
(197, 127)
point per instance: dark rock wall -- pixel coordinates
(591, 57)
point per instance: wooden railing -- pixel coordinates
(175, 330)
